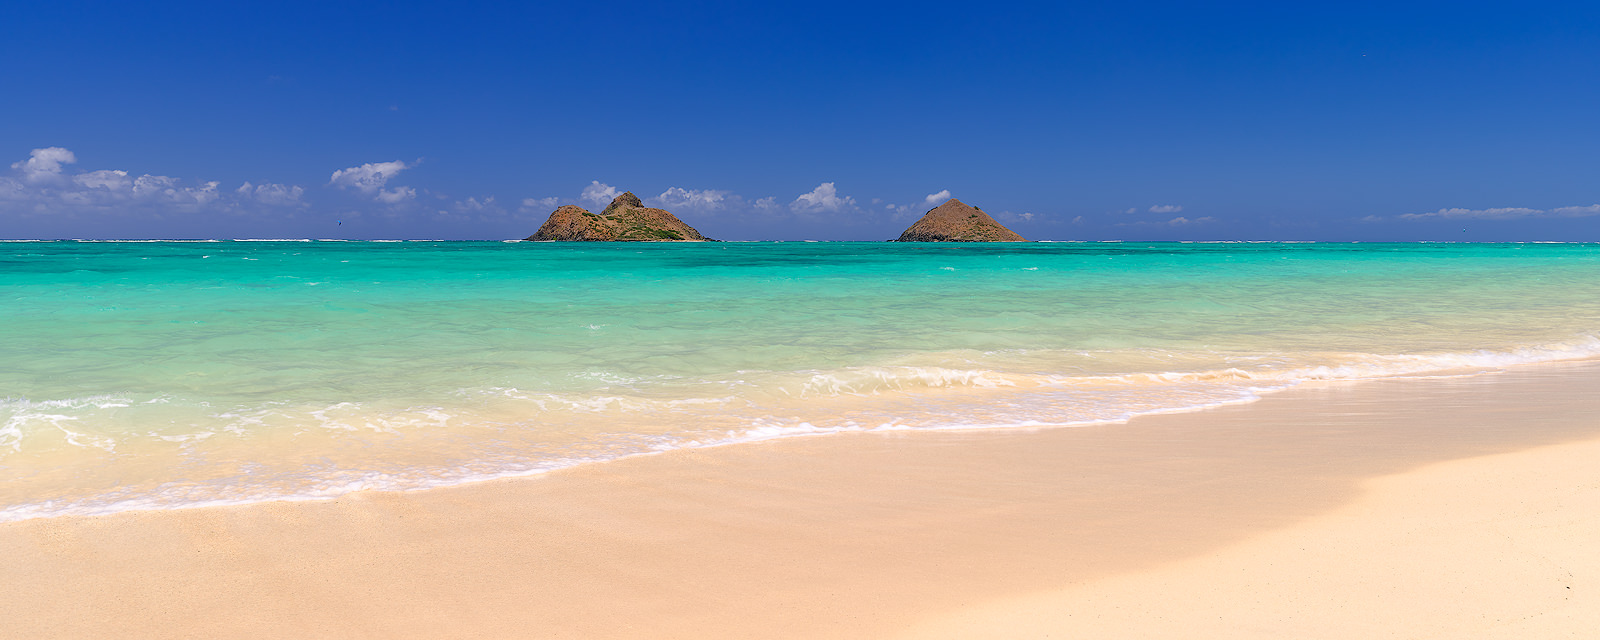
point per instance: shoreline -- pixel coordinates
(1257, 394)
(859, 534)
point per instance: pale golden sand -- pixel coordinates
(1405, 508)
(1504, 546)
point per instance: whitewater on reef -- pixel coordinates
(171, 374)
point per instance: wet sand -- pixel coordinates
(1458, 507)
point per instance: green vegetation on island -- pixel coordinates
(626, 219)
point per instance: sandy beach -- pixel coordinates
(1407, 508)
(591, 321)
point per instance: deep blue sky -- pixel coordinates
(1071, 121)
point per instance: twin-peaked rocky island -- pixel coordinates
(626, 219)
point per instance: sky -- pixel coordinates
(1406, 121)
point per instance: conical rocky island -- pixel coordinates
(626, 219)
(955, 221)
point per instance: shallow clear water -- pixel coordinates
(164, 374)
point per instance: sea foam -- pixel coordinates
(137, 381)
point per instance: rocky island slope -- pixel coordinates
(955, 221)
(626, 219)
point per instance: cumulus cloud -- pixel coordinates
(532, 205)
(108, 179)
(1504, 213)
(148, 184)
(473, 209)
(600, 193)
(12, 189)
(370, 179)
(367, 178)
(823, 198)
(1009, 216)
(274, 194)
(1160, 208)
(474, 204)
(698, 201)
(1178, 221)
(43, 186)
(1574, 212)
(701, 200)
(44, 165)
(395, 195)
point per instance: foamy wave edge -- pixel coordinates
(1377, 367)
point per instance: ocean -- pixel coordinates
(169, 374)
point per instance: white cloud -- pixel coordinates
(474, 204)
(12, 189)
(44, 165)
(768, 204)
(600, 193)
(701, 200)
(147, 184)
(1172, 222)
(677, 199)
(47, 188)
(531, 205)
(367, 178)
(473, 209)
(371, 178)
(108, 179)
(273, 194)
(822, 198)
(206, 193)
(165, 188)
(1504, 213)
(935, 199)
(1165, 208)
(395, 195)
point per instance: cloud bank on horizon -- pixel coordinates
(1505, 213)
(47, 189)
(44, 188)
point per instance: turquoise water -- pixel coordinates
(168, 374)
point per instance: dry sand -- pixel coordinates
(1401, 508)
(1504, 546)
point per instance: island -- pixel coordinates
(626, 219)
(956, 221)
